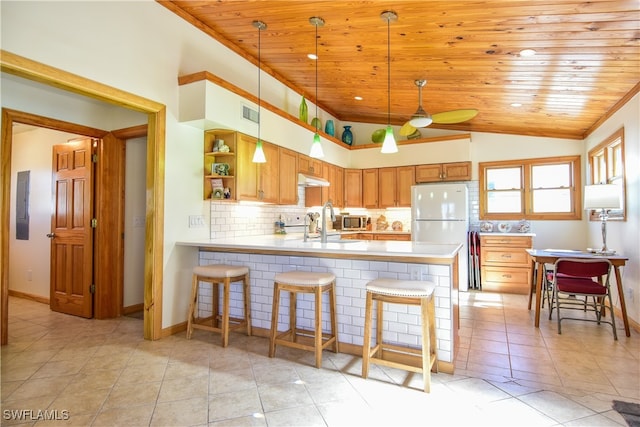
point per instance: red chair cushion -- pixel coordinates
(579, 285)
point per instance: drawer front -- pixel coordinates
(510, 241)
(510, 280)
(505, 275)
(508, 257)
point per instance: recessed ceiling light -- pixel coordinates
(516, 104)
(312, 56)
(527, 52)
(357, 98)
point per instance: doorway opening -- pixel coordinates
(154, 215)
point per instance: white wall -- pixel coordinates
(142, 48)
(624, 237)
(134, 222)
(29, 259)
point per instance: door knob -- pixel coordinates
(51, 235)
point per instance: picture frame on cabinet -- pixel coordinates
(221, 169)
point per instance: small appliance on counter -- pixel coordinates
(279, 226)
(350, 222)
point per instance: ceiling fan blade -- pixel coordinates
(407, 129)
(454, 116)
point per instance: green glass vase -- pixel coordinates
(304, 114)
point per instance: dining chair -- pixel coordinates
(588, 278)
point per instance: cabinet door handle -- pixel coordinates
(506, 276)
(506, 255)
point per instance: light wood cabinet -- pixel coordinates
(394, 186)
(247, 185)
(288, 174)
(505, 265)
(318, 196)
(352, 187)
(309, 165)
(377, 236)
(257, 181)
(438, 172)
(336, 178)
(370, 188)
(269, 174)
(213, 158)
(392, 236)
(357, 236)
(335, 191)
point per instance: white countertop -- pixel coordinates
(294, 243)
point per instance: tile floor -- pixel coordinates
(102, 373)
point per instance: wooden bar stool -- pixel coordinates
(219, 274)
(411, 359)
(303, 282)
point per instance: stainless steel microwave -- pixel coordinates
(350, 222)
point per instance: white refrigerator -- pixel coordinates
(440, 214)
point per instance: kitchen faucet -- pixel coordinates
(306, 227)
(323, 231)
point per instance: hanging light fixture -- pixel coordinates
(258, 155)
(316, 146)
(389, 143)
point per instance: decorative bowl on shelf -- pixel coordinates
(486, 227)
(504, 227)
(524, 226)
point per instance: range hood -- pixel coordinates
(311, 181)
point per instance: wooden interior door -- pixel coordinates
(71, 233)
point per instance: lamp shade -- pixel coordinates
(602, 196)
(316, 148)
(389, 143)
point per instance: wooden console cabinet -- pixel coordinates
(505, 266)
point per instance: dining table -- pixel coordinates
(540, 257)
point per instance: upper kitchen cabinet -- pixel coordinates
(334, 193)
(438, 172)
(394, 186)
(309, 165)
(257, 181)
(370, 188)
(288, 175)
(353, 187)
(220, 166)
(336, 189)
(269, 174)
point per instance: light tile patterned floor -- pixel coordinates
(102, 373)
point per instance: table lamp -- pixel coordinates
(603, 197)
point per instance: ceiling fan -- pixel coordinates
(422, 119)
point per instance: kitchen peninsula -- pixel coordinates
(354, 263)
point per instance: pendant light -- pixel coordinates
(316, 146)
(389, 144)
(258, 155)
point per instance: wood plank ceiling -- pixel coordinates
(587, 58)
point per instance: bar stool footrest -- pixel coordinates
(399, 357)
(286, 339)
